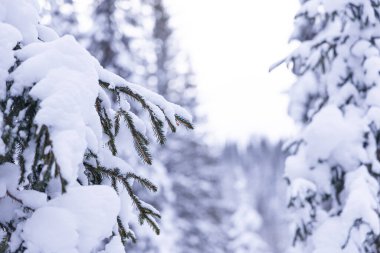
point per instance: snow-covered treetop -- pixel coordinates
(67, 124)
(334, 169)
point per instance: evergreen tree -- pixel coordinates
(120, 37)
(67, 132)
(243, 232)
(246, 172)
(264, 163)
(333, 171)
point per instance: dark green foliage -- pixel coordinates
(182, 121)
(107, 125)
(139, 140)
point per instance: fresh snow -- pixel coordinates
(95, 209)
(51, 229)
(75, 222)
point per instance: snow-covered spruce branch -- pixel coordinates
(157, 123)
(67, 146)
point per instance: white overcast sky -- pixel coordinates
(232, 43)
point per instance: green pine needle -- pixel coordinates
(142, 181)
(158, 128)
(139, 140)
(182, 121)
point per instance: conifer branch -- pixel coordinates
(106, 125)
(158, 128)
(157, 124)
(144, 212)
(182, 121)
(124, 234)
(170, 124)
(142, 181)
(117, 123)
(14, 197)
(139, 140)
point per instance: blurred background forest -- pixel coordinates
(213, 197)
